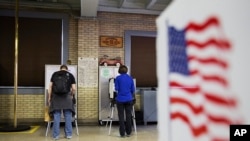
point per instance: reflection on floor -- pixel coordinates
(88, 133)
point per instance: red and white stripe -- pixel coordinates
(203, 101)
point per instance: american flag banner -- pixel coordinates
(201, 102)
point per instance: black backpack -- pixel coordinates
(61, 83)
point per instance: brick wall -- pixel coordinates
(89, 30)
(83, 42)
(73, 41)
(30, 108)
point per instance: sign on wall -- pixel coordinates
(111, 41)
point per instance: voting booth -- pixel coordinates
(105, 75)
(49, 70)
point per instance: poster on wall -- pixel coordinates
(87, 72)
(202, 84)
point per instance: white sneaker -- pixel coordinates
(69, 137)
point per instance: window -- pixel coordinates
(140, 56)
(40, 42)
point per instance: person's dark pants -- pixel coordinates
(127, 107)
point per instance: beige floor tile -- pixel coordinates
(88, 133)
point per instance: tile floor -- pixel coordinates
(87, 133)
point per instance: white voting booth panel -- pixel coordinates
(105, 74)
(49, 70)
(191, 32)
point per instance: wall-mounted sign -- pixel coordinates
(110, 41)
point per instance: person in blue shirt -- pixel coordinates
(125, 88)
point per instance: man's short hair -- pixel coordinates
(63, 67)
(123, 69)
